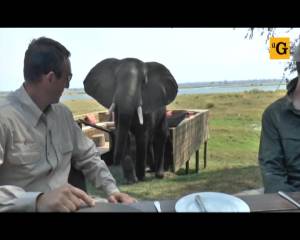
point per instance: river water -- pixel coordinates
(199, 90)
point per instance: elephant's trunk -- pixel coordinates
(140, 114)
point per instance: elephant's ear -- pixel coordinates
(160, 88)
(100, 81)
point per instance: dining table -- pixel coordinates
(268, 202)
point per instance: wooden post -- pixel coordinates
(99, 139)
(187, 166)
(205, 156)
(197, 161)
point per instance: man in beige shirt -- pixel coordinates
(38, 139)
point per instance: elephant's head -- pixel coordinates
(135, 89)
(131, 84)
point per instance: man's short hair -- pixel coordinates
(298, 68)
(42, 56)
(296, 58)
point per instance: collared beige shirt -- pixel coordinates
(36, 149)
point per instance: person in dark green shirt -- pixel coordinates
(279, 150)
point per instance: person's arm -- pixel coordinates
(13, 198)
(271, 157)
(86, 157)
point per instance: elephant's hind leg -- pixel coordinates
(141, 154)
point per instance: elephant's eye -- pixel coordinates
(145, 80)
(70, 75)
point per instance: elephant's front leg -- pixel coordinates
(129, 170)
(150, 157)
(141, 154)
(128, 163)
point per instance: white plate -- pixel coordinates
(213, 201)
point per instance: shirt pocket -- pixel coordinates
(291, 146)
(66, 150)
(24, 154)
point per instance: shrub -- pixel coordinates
(210, 105)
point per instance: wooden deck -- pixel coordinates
(102, 120)
(185, 139)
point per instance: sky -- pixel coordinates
(191, 54)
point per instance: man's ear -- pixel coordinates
(49, 77)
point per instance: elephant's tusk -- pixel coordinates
(111, 108)
(140, 114)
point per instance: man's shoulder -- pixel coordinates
(278, 104)
(276, 109)
(6, 107)
(4, 104)
(10, 103)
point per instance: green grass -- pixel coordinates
(234, 131)
(83, 106)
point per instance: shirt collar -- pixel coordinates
(30, 110)
(290, 106)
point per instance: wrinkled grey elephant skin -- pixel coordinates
(138, 93)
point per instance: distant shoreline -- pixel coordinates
(262, 82)
(225, 83)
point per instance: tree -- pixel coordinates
(290, 66)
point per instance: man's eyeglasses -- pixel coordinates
(70, 75)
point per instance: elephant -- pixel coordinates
(138, 93)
